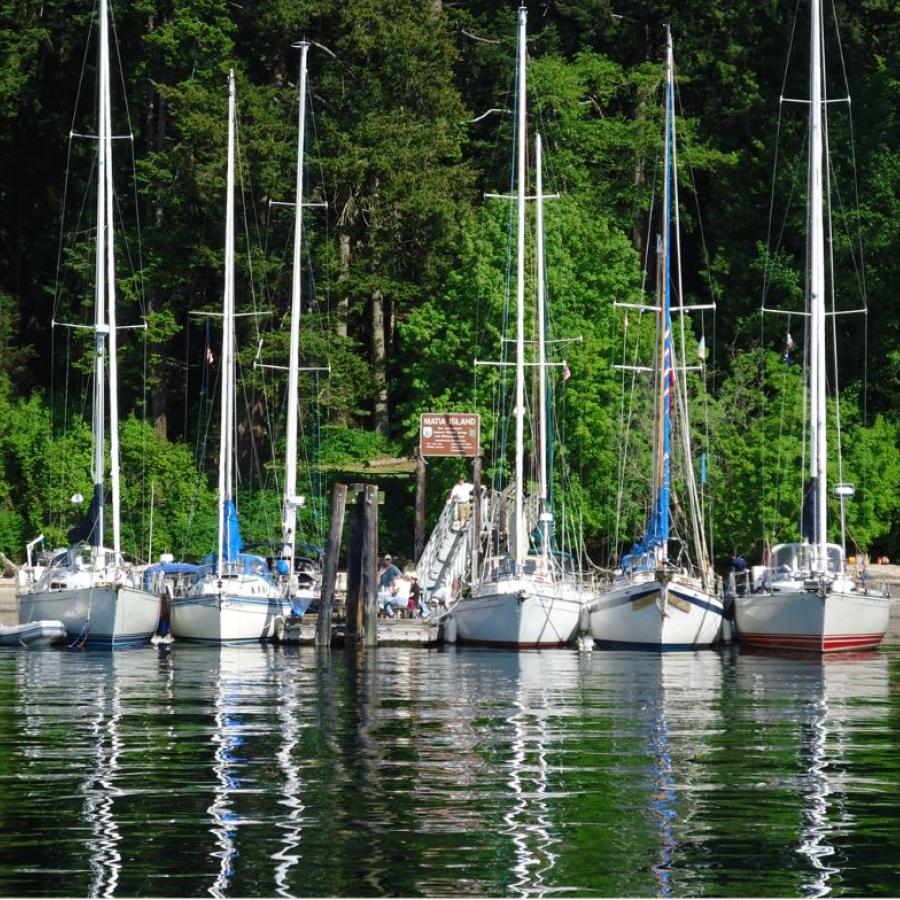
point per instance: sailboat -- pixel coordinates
(88, 587)
(807, 599)
(238, 599)
(658, 600)
(530, 596)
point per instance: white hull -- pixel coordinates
(111, 615)
(802, 620)
(657, 615)
(223, 618)
(519, 612)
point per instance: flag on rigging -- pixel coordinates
(788, 346)
(702, 352)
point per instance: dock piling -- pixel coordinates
(329, 573)
(370, 565)
(354, 562)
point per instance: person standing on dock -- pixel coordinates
(461, 495)
(417, 597)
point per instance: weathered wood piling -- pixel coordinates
(361, 623)
(329, 570)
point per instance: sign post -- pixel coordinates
(443, 434)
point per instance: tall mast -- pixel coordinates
(105, 136)
(227, 389)
(681, 394)
(101, 270)
(818, 444)
(289, 508)
(666, 369)
(520, 545)
(543, 434)
(542, 349)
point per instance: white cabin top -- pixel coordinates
(794, 560)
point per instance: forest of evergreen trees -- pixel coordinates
(407, 270)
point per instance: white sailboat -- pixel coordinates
(530, 596)
(89, 587)
(807, 599)
(240, 600)
(657, 602)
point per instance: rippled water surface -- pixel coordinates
(259, 771)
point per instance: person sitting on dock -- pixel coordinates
(387, 587)
(393, 602)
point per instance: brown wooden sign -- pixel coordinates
(449, 434)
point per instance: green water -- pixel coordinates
(271, 772)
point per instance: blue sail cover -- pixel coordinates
(88, 529)
(232, 543)
(658, 532)
(808, 513)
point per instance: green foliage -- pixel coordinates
(757, 424)
(756, 466)
(397, 150)
(41, 470)
(341, 445)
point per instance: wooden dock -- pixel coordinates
(407, 632)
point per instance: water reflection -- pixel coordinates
(258, 771)
(73, 749)
(830, 701)
(529, 820)
(99, 786)
(290, 825)
(670, 704)
(242, 678)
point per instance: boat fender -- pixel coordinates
(450, 630)
(728, 608)
(279, 629)
(584, 620)
(726, 631)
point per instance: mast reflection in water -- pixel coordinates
(830, 704)
(248, 771)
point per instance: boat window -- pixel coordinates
(788, 558)
(835, 559)
(644, 562)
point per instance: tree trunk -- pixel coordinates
(379, 365)
(343, 304)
